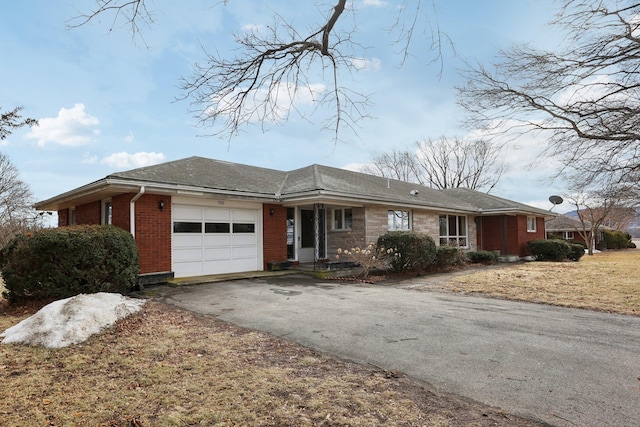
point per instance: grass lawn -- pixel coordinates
(607, 281)
(167, 367)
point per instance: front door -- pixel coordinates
(307, 238)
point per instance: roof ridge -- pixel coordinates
(317, 178)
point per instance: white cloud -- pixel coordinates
(129, 138)
(270, 104)
(88, 159)
(136, 160)
(355, 167)
(366, 64)
(374, 3)
(252, 28)
(72, 127)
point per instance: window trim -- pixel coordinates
(341, 214)
(533, 229)
(107, 212)
(447, 239)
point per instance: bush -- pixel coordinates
(617, 240)
(482, 257)
(411, 251)
(449, 256)
(549, 250)
(63, 262)
(577, 251)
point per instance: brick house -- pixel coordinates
(199, 216)
(568, 228)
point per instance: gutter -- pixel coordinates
(132, 211)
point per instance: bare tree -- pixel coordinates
(596, 206)
(12, 120)
(443, 163)
(16, 212)
(273, 66)
(400, 165)
(584, 95)
(459, 163)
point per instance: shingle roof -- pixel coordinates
(489, 202)
(564, 223)
(311, 181)
(209, 173)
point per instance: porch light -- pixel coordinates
(161, 205)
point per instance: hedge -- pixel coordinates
(67, 261)
(412, 251)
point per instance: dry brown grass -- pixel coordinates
(607, 281)
(167, 367)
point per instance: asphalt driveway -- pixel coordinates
(561, 366)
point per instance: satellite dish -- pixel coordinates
(556, 200)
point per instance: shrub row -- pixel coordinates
(67, 261)
(555, 250)
(617, 240)
(418, 252)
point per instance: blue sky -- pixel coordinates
(107, 102)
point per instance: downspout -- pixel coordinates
(132, 211)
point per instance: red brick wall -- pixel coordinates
(153, 232)
(63, 217)
(120, 210)
(274, 234)
(89, 213)
(507, 234)
(525, 236)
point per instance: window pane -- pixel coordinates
(462, 226)
(337, 219)
(244, 228)
(391, 215)
(443, 226)
(348, 218)
(187, 227)
(405, 220)
(453, 228)
(217, 227)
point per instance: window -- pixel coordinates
(106, 212)
(531, 224)
(398, 220)
(453, 230)
(569, 235)
(342, 219)
(244, 228)
(217, 227)
(72, 216)
(187, 227)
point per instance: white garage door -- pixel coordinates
(215, 240)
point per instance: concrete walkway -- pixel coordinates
(565, 367)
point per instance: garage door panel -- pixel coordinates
(193, 268)
(217, 240)
(227, 240)
(217, 253)
(181, 213)
(240, 252)
(217, 214)
(187, 254)
(244, 240)
(190, 240)
(243, 215)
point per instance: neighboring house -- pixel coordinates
(566, 227)
(199, 216)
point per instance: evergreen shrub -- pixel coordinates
(412, 252)
(63, 262)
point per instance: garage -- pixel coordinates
(216, 239)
